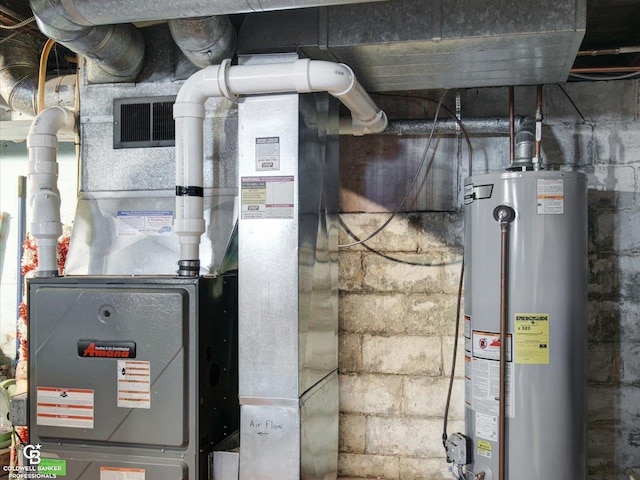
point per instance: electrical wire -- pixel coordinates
(42, 72)
(413, 182)
(605, 77)
(572, 102)
(18, 25)
(455, 353)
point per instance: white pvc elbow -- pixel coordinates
(301, 76)
(42, 143)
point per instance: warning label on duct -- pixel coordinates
(532, 338)
(134, 384)
(267, 197)
(64, 407)
(550, 196)
(149, 223)
(113, 473)
(268, 153)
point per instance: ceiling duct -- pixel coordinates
(204, 41)
(19, 72)
(420, 44)
(93, 27)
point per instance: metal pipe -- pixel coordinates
(538, 124)
(18, 72)
(605, 70)
(608, 51)
(204, 41)
(512, 144)
(22, 234)
(504, 215)
(417, 127)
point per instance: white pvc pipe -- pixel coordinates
(42, 143)
(300, 76)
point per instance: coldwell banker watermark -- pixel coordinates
(37, 467)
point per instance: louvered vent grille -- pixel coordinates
(143, 122)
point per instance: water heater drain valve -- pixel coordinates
(458, 449)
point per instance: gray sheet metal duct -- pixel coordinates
(19, 71)
(205, 41)
(92, 27)
(117, 49)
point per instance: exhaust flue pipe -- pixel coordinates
(224, 80)
(42, 143)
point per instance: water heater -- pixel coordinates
(526, 271)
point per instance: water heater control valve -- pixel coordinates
(459, 449)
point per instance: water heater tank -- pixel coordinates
(546, 337)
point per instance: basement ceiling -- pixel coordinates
(610, 25)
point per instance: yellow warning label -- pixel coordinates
(484, 448)
(532, 338)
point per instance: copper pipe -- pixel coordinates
(512, 117)
(605, 70)
(538, 121)
(608, 51)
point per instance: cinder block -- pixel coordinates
(567, 144)
(424, 468)
(605, 404)
(451, 272)
(604, 321)
(350, 352)
(630, 320)
(603, 366)
(629, 266)
(369, 466)
(630, 362)
(430, 314)
(447, 354)
(407, 436)
(352, 433)
(415, 273)
(371, 394)
(403, 234)
(402, 355)
(351, 273)
(371, 313)
(603, 276)
(427, 397)
(617, 142)
(612, 186)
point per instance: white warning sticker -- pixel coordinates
(550, 196)
(64, 407)
(487, 345)
(487, 426)
(134, 384)
(468, 398)
(485, 387)
(113, 473)
(268, 153)
(267, 197)
(149, 223)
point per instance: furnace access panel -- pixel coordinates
(132, 375)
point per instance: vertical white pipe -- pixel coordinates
(42, 143)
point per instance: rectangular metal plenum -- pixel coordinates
(143, 122)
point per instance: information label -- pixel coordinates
(484, 448)
(64, 407)
(149, 223)
(550, 196)
(267, 197)
(268, 153)
(532, 338)
(112, 473)
(134, 384)
(485, 387)
(487, 345)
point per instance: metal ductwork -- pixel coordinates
(19, 72)
(117, 49)
(92, 27)
(204, 41)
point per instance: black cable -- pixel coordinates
(572, 102)
(455, 353)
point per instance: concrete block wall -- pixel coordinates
(398, 296)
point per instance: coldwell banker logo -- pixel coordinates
(37, 467)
